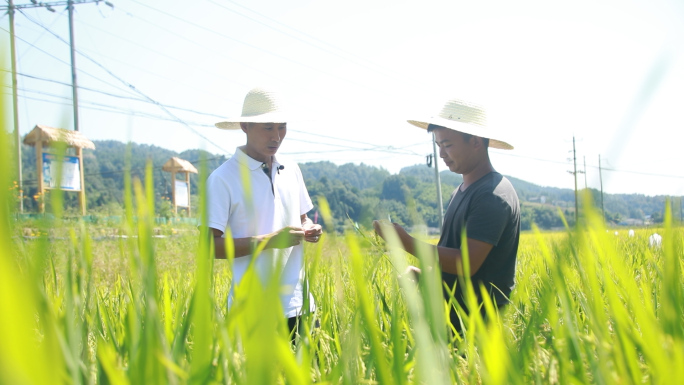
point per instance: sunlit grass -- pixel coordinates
(589, 307)
(79, 308)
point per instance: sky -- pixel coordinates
(608, 73)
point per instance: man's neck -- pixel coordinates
(267, 160)
(478, 172)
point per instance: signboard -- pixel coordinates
(182, 196)
(71, 172)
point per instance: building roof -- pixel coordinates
(49, 135)
(179, 165)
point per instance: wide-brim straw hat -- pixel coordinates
(260, 106)
(465, 117)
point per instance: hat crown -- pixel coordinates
(464, 112)
(260, 106)
(465, 117)
(259, 102)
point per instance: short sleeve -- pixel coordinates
(218, 202)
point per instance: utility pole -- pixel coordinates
(585, 172)
(438, 181)
(601, 180)
(15, 109)
(74, 87)
(574, 174)
(70, 7)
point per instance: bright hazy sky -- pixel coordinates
(611, 73)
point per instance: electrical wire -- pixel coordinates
(214, 32)
(116, 95)
(62, 61)
(345, 148)
(271, 25)
(165, 56)
(177, 119)
(137, 99)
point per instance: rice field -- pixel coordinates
(77, 308)
(81, 306)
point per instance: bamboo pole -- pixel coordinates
(81, 194)
(173, 191)
(41, 186)
(187, 183)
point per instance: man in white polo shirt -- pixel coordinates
(259, 197)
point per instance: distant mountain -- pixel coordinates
(359, 176)
(360, 192)
(427, 175)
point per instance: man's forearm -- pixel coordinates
(408, 242)
(242, 246)
(449, 259)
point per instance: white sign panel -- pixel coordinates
(182, 196)
(71, 172)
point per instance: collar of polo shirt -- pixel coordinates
(252, 163)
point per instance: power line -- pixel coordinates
(105, 108)
(356, 59)
(135, 169)
(114, 109)
(160, 76)
(177, 119)
(64, 62)
(271, 23)
(352, 150)
(641, 173)
(48, 6)
(318, 135)
(42, 33)
(88, 105)
(148, 49)
(214, 32)
(110, 109)
(365, 149)
(116, 95)
(346, 148)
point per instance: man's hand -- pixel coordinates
(286, 237)
(379, 225)
(412, 272)
(312, 232)
(406, 241)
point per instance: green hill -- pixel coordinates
(359, 192)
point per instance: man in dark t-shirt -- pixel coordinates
(489, 212)
(485, 206)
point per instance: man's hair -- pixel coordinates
(466, 137)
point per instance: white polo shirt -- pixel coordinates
(240, 197)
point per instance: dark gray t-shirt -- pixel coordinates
(489, 211)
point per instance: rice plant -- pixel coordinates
(80, 308)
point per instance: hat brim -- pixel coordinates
(472, 129)
(234, 124)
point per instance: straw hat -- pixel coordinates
(465, 117)
(260, 106)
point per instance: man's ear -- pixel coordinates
(244, 126)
